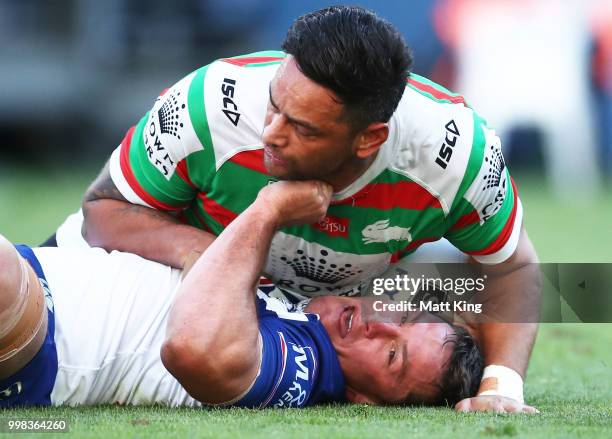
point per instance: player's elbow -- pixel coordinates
(212, 373)
(98, 219)
(90, 211)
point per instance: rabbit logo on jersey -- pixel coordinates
(381, 231)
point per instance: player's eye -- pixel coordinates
(391, 354)
(305, 132)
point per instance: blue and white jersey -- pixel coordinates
(299, 364)
(32, 385)
(107, 325)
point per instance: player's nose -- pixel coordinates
(275, 133)
(373, 329)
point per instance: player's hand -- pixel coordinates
(495, 404)
(296, 202)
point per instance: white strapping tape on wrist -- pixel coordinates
(502, 381)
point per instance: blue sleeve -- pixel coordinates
(288, 365)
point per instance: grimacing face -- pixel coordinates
(305, 136)
(385, 363)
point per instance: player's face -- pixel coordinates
(385, 363)
(305, 135)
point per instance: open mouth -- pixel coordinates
(346, 320)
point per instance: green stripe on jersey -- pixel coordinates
(474, 163)
(263, 54)
(476, 237)
(236, 187)
(152, 181)
(201, 164)
(435, 85)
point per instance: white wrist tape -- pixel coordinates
(502, 381)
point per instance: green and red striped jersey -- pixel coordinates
(198, 153)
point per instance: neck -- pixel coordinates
(349, 172)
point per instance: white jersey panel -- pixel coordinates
(236, 99)
(110, 312)
(425, 130)
(330, 272)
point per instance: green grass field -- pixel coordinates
(570, 377)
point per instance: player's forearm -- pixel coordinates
(212, 342)
(509, 344)
(221, 285)
(511, 310)
(152, 234)
(213, 328)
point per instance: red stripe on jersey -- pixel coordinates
(181, 170)
(403, 194)
(241, 62)
(163, 92)
(202, 221)
(253, 160)
(466, 220)
(126, 169)
(504, 235)
(438, 94)
(221, 214)
(419, 242)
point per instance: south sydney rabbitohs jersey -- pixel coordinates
(199, 155)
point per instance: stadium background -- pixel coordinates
(76, 74)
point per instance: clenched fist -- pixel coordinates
(296, 202)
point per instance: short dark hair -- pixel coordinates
(362, 58)
(464, 371)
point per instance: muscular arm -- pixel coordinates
(513, 290)
(212, 341)
(113, 223)
(512, 307)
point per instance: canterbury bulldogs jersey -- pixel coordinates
(198, 154)
(110, 322)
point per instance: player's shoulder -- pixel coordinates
(236, 92)
(437, 139)
(218, 108)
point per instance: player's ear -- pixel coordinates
(371, 138)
